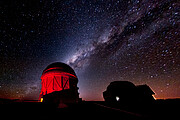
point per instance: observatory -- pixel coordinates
(59, 84)
(126, 93)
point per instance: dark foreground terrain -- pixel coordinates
(161, 109)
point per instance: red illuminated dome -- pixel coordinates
(60, 67)
(59, 82)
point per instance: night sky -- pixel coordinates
(103, 40)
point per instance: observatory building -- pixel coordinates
(126, 93)
(59, 84)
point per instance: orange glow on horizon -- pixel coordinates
(154, 97)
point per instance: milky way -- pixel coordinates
(104, 41)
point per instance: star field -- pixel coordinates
(104, 41)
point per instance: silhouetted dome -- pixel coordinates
(121, 85)
(127, 93)
(60, 67)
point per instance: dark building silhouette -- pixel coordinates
(127, 93)
(144, 94)
(59, 84)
